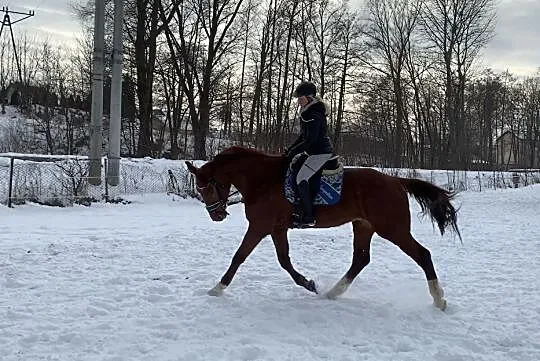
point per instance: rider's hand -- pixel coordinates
(286, 152)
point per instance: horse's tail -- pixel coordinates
(435, 200)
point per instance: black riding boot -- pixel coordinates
(305, 218)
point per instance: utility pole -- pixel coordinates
(113, 168)
(96, 124)
(7, 22)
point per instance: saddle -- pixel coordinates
(325, 184)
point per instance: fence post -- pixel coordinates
(479, 181)
(106, 165)
(10, 187)
(515, 179)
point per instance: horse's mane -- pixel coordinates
(236, 153)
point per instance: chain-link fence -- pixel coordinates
(458, 180)
(140, 177)
(63, 180)
(54, 183)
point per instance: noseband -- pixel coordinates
(222, 201)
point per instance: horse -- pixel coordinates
(372, 201)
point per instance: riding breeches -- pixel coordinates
(311, 165)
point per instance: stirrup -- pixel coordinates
(299, 222)
(304, 224)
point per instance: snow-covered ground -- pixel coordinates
(129, 282)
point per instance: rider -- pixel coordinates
(313, 148)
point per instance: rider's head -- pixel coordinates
(305, 91)
(305, 88)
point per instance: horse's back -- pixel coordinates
(374, 182)
(370, 177)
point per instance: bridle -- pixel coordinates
(222, 201)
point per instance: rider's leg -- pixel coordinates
(309, 167)
(307, 219)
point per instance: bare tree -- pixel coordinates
(532, 121)
(389, 32)
(457, 30)
(324, 17)
(147, 31)
(202, 35)
(261, 64)
(173, 102)
(349, 52)
(247, 25)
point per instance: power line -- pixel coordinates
(7, 22)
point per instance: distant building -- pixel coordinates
(512, 151)
(13, 94)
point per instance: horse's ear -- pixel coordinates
(191, 167)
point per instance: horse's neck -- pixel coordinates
(250, 178)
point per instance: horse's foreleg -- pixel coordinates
(281, 243)
(361, 244)
(250, 241)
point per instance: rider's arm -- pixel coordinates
(297, 143)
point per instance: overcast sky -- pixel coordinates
(515, 47)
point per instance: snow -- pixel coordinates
(128, 282)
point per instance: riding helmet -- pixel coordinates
(305, 88)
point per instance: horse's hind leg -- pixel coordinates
(363, 232)
(422, 257)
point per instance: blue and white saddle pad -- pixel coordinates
(330, 183)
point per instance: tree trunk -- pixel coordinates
(145, 53)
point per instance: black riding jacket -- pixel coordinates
(313, 139)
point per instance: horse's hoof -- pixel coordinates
(310, 286)
(440, 304)
(217, 290)
(338, 289)
(331, 295)
(214, 292)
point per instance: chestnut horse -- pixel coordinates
(371, 200)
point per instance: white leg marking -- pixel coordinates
(338, 289)
(437, 293)
(217, 290)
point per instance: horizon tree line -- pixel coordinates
(401, 78)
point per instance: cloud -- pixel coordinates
(52, 20)
(514, 46)
(517, 36)
(516, 41)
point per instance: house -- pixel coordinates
(13, 94)
(512, 151)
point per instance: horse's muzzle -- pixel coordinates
(218, 215)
